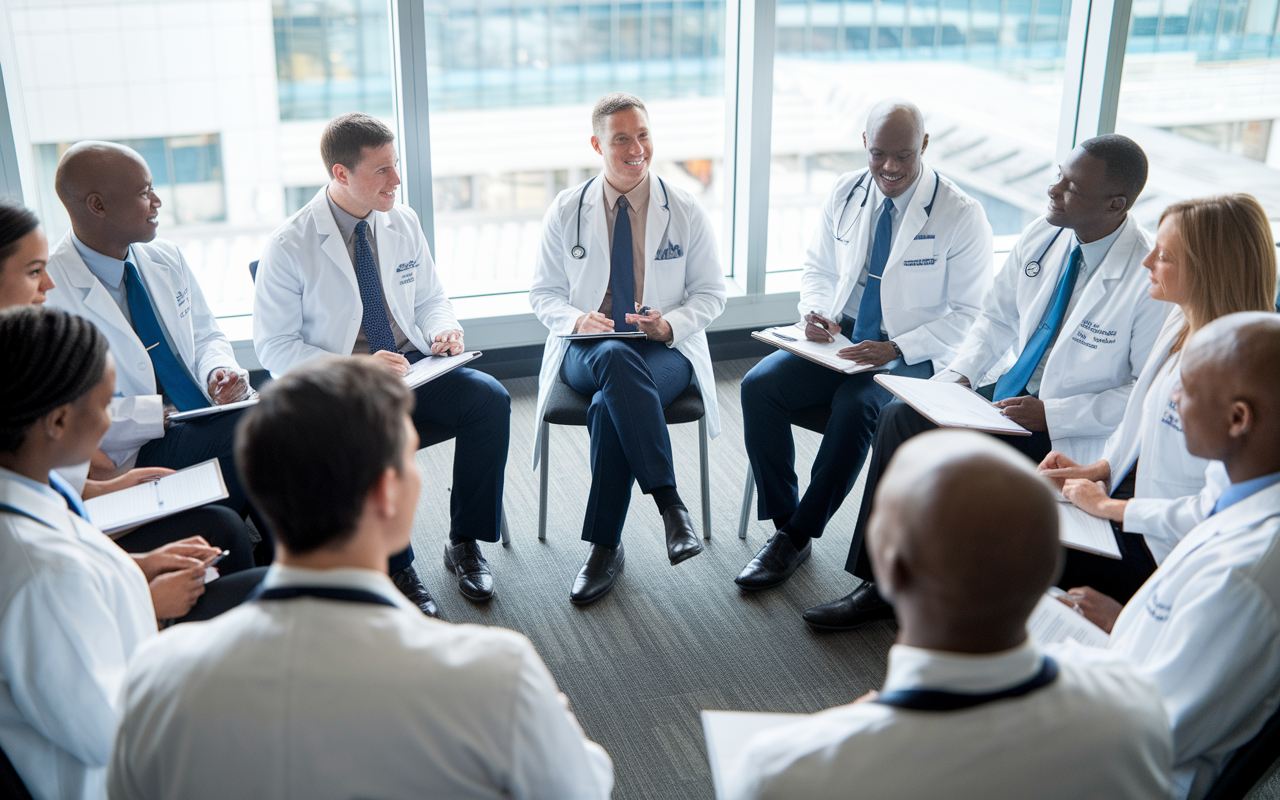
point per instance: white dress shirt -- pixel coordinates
(315, 698)
(73, 608)
(1097, 731)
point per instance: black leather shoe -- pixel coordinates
(407, 581)
(475, 579)
(682, 542)
(854, 610)
(773, 564)
(598, 573)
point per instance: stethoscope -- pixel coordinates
(865, 194)
(580, 252)
(1032, 268)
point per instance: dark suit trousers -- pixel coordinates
(630, 382)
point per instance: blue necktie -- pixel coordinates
(622, 276)
(1015, 380)
(60, 485)
(377, 328)
(866, 328)
(173, 377)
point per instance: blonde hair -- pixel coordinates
(1229, 255)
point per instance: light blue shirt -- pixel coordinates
(900, 204)
(109, 272)
(1243, 490)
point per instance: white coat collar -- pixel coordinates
(92, 293)
(915, 215)
(1114, 267)
(390, 240)
(343, 577)
(917, 668)
(40, 506)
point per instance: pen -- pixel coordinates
(645, 310)
(784, 337)
(152, 347)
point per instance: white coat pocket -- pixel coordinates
(922, 276)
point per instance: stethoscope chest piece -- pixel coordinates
(579, 252)
(1032, 269)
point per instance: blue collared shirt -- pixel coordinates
(109, 272)
(1241, 491)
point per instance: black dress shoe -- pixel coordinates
(682, 542)
(854, 610)
(475, 579)
(407, 581)
(773, 564)
(595, 579)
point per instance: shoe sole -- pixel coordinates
(477, 598)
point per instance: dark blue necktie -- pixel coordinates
(60, 485)
(377, 328)
(1013, 382)
(622, 276)
(866, 328)
(173, 377)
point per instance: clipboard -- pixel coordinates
(432, 367)
(183, 416)
(951, 405)
(192, 487)
(821, 353)
(587, 337)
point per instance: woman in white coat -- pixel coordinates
(73, 605)
(1212, 257)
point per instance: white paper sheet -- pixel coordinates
(951, 405)
(727, 732)
(791, 338)
(187, 488)
(182, 416)
(1052, 622)
(579, 337)
(1083, 531)
(432, 367)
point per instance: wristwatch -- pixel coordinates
(896, 349)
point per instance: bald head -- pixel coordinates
(963, 538)
(106, 188)
(1230, 396)
(895, 140)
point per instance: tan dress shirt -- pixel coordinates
(638, 210)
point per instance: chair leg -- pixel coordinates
(542, 481)
(705, 462)
(506, 530)
(748, 494)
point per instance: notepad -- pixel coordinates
(727, 732)
(580, 337)
(951, 405)
(182, 416)
(792, 339)
(1052, 622)
(185, 489)
(432, 367)
(1083, 531)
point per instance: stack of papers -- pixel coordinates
(432, 367)
(791, 338)
(951, 405)
(185, 489)
(1083, 531)
(578, 337)
(1052, 622)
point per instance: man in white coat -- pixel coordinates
(1070, 308)
(140, 292)
(1205, 627)
(964, 538)
(900, 262)
(625, 251)
(352, 692)
(351, 274)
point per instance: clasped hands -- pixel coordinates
(651, 324)
(1085, 486)
(448, 343)
(820, 329)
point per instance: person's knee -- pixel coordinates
(760, 384)
(488, 396)
(615, 354)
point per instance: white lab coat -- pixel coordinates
(1103, 344)
(306, 300)
(327, 699)
(688, 289)
(938, 271)
(1177, 473)
(137, 413)
(73, 608)
(1205, 628)
(1165, 521)
(1097, 731)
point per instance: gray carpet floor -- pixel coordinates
(639, 665)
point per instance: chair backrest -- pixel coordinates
(11, 785)
(1248, 764)
(253, 271)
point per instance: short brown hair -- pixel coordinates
(347, 135)
(1230, 257)
(611, 104)
(315, 444)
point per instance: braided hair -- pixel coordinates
(16, 221)
(48, 358)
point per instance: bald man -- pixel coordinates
(139, 291)
(1205, 627)
(899, 264)
(964, 539)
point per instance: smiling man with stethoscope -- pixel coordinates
(901, 258)
(1070, 309)
(627, 251)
